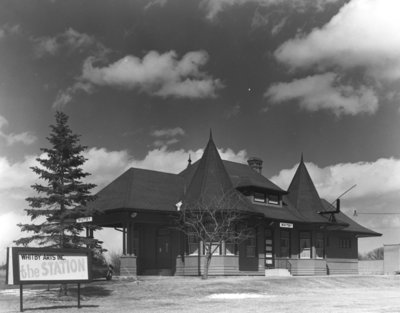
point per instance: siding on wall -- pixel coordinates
(342, 266)
(334, 250)
(304, 267)
(220, 265)
(370, 267)
(392, 258)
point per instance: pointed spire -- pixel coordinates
(211, 137)
(210, 178)
(189, 161)
(302, 192)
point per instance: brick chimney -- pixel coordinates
(255, 164)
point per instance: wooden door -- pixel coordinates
(163, 252)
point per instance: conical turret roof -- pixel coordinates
(303, 194)
(210, 179)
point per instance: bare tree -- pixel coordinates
(212, 222)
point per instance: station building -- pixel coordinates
(295, 231)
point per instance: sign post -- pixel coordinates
(48, 266)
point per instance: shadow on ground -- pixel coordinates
(55, 307)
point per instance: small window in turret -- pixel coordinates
(259, 197)
(273, 199)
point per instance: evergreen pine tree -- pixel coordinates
(63, 196)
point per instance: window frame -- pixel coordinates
(195, 243)
(319, 237)
(309, 238)
(251, 243)
(273, 202)
(288, 247)
(345, 243)
(257, 197)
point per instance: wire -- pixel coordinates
(355, 213)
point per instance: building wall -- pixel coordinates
(334, 249)
(147, 260)
(370, 267)
(391, 259)
(193, 265)
(338, 259)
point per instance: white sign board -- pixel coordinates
(285, 225)
(35, 265)
(84, 219)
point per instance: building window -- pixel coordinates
(229, 248)
(193, 244)
(285, 244)
(305, 245)
(215, 248)
(345, 243)
(251, 245)
(259, 197)
(273, 199)
(319, 246)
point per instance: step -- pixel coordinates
(273, 272)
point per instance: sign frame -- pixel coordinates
(14, 268)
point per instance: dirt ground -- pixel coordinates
(227, 294)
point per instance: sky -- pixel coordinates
(144, 81)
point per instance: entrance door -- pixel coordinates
(163, 250)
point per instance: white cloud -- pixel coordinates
(9, 231)
(157, 74)
(7, 29)
(65, 96)
(324, 91)
(373, 179)
(167, 137)
(26, 138)
(169, 132)
(278, 27)
(214, 7)
(68, 42)
(152, 3)
(364, 33)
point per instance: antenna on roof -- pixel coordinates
(337, 200)
(344, 193)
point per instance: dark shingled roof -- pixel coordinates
(352, 225)
(304, 196)
(141, 189)
(241, 175)
(210, 179)
(287, 213)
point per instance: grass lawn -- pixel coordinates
(225, 294)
